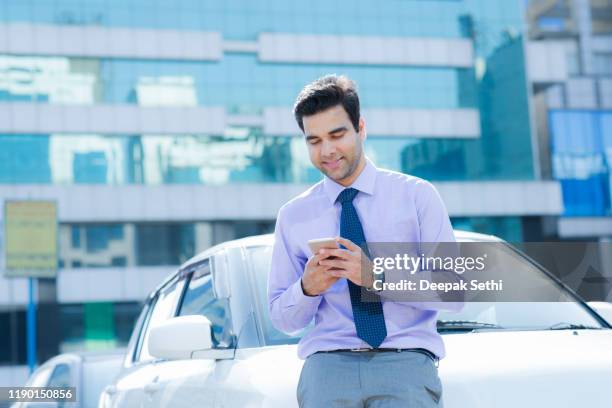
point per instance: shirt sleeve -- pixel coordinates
(434, 223)
(434, 227)
(290, 309)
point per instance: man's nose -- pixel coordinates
(328, 148)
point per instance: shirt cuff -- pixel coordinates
(299, 298)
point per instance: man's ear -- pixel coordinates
(362, 129)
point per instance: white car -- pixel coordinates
(87, 372)
(204, 338)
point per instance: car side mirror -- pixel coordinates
(604, 309)
(179, 337)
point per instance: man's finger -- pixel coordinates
(334, 263)
(338, 253)
(348, 244)
(337, 273)
(315, 259)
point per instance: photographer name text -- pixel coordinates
(426, 285)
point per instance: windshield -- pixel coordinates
(475, 315)
(522, 315)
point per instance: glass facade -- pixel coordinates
(242, 84)
(243, 155)
(506, 143)
(238, 82)
(244, 19)
(150, 244)
(146, 244)
(64, 328)
(574, 112)
(581, 150)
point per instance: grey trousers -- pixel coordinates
(404, 379)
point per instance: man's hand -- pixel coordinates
(317, 277)
(347, 263)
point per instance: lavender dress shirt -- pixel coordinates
(392, 207)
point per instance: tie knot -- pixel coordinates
(347, 195)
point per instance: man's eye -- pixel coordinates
(314, 141)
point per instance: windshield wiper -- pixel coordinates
(464, 325)
(572, 326)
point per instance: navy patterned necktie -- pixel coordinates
(368, 316)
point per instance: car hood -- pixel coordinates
(562, 368)
(499, 369)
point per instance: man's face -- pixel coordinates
(335, 148)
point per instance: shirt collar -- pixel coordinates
(364, 182)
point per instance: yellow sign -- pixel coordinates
(31, 238)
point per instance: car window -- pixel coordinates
(137, 333)
(163, 307)
(60, 376)
(199, 299)
(260, 258)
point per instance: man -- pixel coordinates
(376, 353)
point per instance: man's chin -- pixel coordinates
(337, 175)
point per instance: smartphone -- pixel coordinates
(316, 244)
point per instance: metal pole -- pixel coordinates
(31, 327)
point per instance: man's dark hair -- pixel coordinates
(327, 92)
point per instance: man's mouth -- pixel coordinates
(333, 164)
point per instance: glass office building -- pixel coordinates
(570, 49)
(163, 127)
(242, 62)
